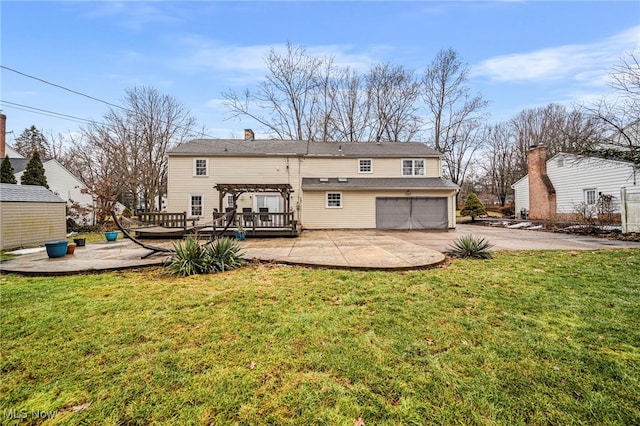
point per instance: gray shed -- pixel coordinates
(30, 215)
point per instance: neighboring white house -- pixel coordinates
(325, 185)
(580, 180)
(61, 182)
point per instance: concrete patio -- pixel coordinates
(353, 249)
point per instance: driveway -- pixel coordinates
(511, 239)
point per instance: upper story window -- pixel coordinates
(365, 165)
(413, 167)
(200, 167)
(334, 200)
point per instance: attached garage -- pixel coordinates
(382, 203)
(412, 213)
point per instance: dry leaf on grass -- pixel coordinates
(358, 422)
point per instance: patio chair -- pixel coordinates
(247, 215)
(265, 217)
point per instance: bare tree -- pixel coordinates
(284, 102)
(500, 164)
(131, 145)
(556, 128)
(454, 114)
(447, 97)
(392, 93)
(619, 113)
(350, 115)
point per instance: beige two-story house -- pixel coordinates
(325, 185)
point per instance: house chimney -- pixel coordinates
(3, 134)
(249, 135)
(542, 194)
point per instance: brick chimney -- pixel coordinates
(542, 194)
(249, 135)
(3, 134)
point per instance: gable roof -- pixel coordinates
(19, 164)
(10, 192)
(268, 148)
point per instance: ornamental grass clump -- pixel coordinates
(473, 246)
(224, 254)
(191, 257)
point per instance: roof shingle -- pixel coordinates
(263, 148)
(27, 193)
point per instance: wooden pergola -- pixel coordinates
(237, 189)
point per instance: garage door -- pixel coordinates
(411, 213)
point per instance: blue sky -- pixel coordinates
(522, 54)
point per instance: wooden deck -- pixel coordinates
(255, 224)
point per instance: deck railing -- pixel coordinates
(254, 221)
(168, 220)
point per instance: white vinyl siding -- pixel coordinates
(334, 200)
(365, 165)
(280, 170)
(27, 224)
(359, 210)
(200, 167)
(413, 167)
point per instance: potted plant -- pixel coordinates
(56, 248)
(71, 247)
(239, 233)
(111, 235)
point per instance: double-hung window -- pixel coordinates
(365, 165)
(334, 200)
(200, 167)
(589, 197)
(196, 205)
(413, 167)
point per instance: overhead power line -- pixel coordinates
(63, 88)
(70, 117)
(46, 112)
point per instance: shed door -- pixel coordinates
(411, 213)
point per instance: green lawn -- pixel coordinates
(525, 338)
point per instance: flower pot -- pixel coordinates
(240, 235)
(71, 247)
(111, 235)
(56, 248)
(80, 242)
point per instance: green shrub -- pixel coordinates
(192, 258)
(473, 207)
(224, 254)
(471, 246)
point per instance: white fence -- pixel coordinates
(630, 209)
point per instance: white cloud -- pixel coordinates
(576, 61)
(134, 15)
(243, 65)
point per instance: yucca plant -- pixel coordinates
(224, 255)
(190, 258)
(473, 246)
